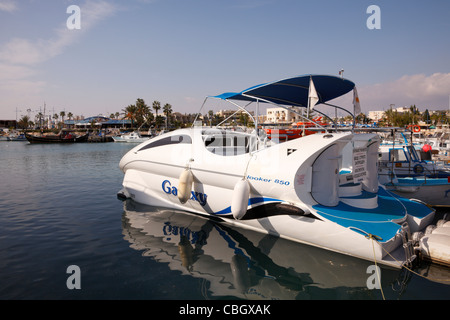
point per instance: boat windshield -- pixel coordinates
(413, 153)
(228, 143)
(397, 155)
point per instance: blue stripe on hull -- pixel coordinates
(251, 201)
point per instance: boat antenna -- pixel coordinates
(199, 112)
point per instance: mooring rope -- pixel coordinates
(371, 236)
(409, 269)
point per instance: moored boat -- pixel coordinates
(65, 136)
(297, 130)
(433, 191)
(404, 160)
(321, 189)
(17, 137)
(133, 137)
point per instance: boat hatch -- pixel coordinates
(325, 181)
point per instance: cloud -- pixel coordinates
(8, 5)
(31, 52)
(430, 91)
(20, 57)
(425, 91)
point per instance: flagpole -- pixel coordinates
(354, 118)
(307, 108)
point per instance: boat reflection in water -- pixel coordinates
(250, 265)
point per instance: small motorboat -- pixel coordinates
(432, 191)
(403, 159)
(133, 137)
(17, 137)
(321, 189)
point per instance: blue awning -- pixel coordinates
(294, 91)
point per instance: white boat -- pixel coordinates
(134, 137)
(432, 191)
(17, 137)
(321, 189)
(404, 160)
(404, 172)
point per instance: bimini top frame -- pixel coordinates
(293, 91)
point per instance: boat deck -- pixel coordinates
(378, 221)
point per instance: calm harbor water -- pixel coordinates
(58, 208)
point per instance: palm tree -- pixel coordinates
(55, 117)
(70, 116)
(389, 114)
(62, 114)
(156, 106)
(130, 113)
(167, 111)
(143, 112)
(39, 118)
(24, 122)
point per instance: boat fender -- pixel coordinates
(239, 202)
(429, 229)
(418, 168)
(416, 236)
(185, 185)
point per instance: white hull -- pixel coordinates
(275, 175)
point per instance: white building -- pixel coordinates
(375, 115)
(281, 115)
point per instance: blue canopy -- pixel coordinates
(294, 91)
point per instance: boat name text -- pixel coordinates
(279, 181)
(197, 196)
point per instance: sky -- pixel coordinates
(180, 51)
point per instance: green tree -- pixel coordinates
(143, 112)
(56, 117)
(39, 118)
(156, 106)
(426, 117)
(389, 116)
(167, 109)
(130, 113)
(24, 122)
(62, 114)
(70, 116)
